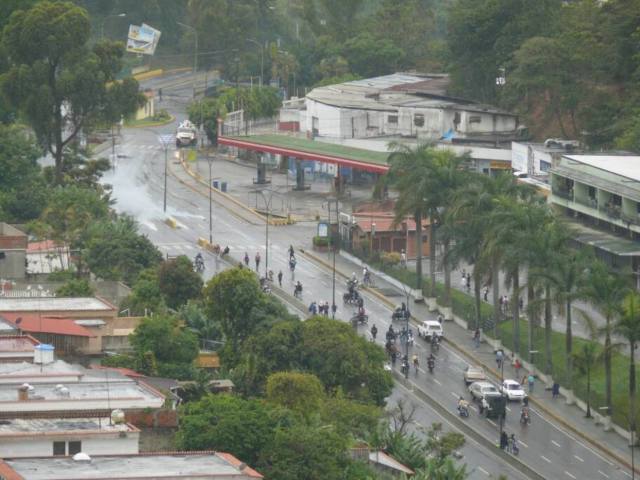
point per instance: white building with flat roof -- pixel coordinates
(183, 466)
(46, 437)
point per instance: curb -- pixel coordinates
(171, 222)
(469, 355)
(148, 75)
(153, 124)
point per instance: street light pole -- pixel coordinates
(165, 141)
(261, 58)
(210, 193)
(195, 56)
(105, 21)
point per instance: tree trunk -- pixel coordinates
(432, 257)
(532, 316)
(418, 220)
(632, 389)
(588, 415)
(495, 286)
(476, 294)
(547, 330)
(569, 346)
(607, 367)
(515, 309)
(447, 274)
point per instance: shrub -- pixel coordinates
(390, 259)
(320, 241)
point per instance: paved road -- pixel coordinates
(138, 186)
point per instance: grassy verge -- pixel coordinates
(620, 369)
(148, 122)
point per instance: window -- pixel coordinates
(392, 119)
(75, 447)
(475, 119)
(59, 448)
(418, 120)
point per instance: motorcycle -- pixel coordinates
(525, 418)
(463, 411)
(514, 448)
(435, 345)
(399, 314)
(405, 368)
(360, 319)
(198, 265)
(351, 297)
(431, 365)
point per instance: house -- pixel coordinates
(173, 465)
(17, 348)
(74, 325)
(13, 251)
(46, 437)
(47, 256)
(400, 104)
(536, 159)
(600, 196)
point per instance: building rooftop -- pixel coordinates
(17, 343)
(25, 426)
(34, 323)
(624, 165)
(200, 465)
(45, 304)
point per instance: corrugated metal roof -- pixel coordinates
(42, 304)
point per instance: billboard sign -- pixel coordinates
(142, 39)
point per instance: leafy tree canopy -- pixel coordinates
(178, 281)
(76, 288)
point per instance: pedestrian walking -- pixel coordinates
(476, 338)
(313, 308)
(468, 282)
(160, 95)
(464, 275)
(292, 267)
(504, 440)
(280, 278)
(257, 261)
(292, 253)
(485, 294)
(499, 358)
(246, 259)
(555, 390)
(326, 308)
(403, 259)
(517, 365)
(374, 331)
(531, 380)
(334, 309)
(521, 303)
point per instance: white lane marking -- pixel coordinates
(603, 474)
(508, 409)
(555, 443)
(578, 458)
(492, 422)
(569, 475)
(483, 471)
(545, 459)
(150, 226)
(437, 381)
(523, 444)
(627, 474)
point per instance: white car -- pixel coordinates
(428, 328)
(480, 390)
(473, 373)
(513, 390)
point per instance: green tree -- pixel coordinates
(588, 357)
(56, 81)
(300, 392)
(606, 290)
(114, 250)
(145, 297)
(167, 339)
(369, 56)
(178, 281)
(78, 287)
(228, 423)
(312, 452)
(629, 327)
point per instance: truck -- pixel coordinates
(186, 135)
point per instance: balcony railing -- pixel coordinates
(566, 194)
(613, 212)
(634, 219)
(587, 202)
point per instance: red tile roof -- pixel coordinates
(34, 323)
(43, 246)
(384, 222)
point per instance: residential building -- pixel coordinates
(183, 466)
(47, 256)
(601, 196)
(536, 159)
(13, 251)
(17, 348)
(401, 104)
(46, 437)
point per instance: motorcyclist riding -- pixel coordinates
(416, 362)
(297, 292)
(525, 418)
(431, 362)
(405, 364)
(463, 407)
(361, 312)
(366, 276)
(435, 341)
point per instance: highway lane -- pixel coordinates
(138, 188)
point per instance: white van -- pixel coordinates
(428, 328)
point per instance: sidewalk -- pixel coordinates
(571, 417)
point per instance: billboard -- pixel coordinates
(142, 39)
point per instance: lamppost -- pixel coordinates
(373, 232)
(407, 316)
(267, 204)
(333, 246)
(165, 141)
(105, 21)
(195, 56)
(261, 58)
(210, 159)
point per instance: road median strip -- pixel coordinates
(593, 442)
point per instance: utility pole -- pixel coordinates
(165, 141)
(210, 193)
(195, 56)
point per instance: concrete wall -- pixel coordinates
(13, 247)
(92, 444)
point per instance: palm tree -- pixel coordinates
(606, 290)
(629, 327)
(409, 174)
(588, 356)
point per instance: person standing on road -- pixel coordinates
(531, 380)
(257, 261)
(374, 332)
(334, 309)
(292, 267)
(403, 259)
(555, 390)
(280, 278)
(476, 338)
(292, 253)
(504, 440)
(517, 366)
(499, 358)
(485, 294)
(246, 259)
(468, 282)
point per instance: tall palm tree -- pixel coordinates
(606, 291)
(409, 174)
(588, 356)
(629, 327)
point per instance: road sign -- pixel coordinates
(166, 140)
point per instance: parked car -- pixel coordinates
(473, 373)
(428, 328)
(513, 390)
(479, 390)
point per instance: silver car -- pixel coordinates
(480, 390)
